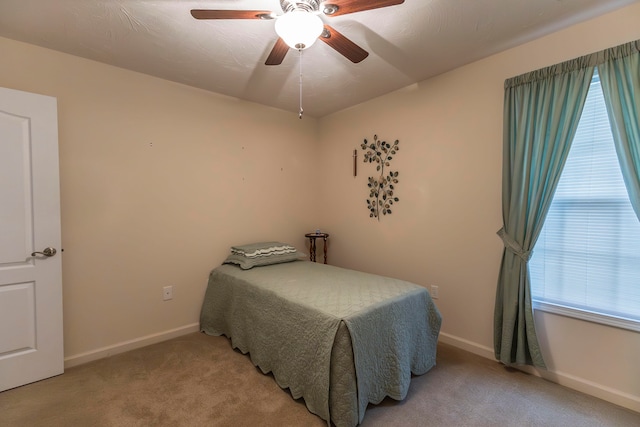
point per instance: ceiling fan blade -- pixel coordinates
(342, 7)
(231, 14)
(278, 53)
(343, 45)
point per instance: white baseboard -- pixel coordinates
(467, 345)
(133, 344)
(582, 385)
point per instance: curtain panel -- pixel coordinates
(541, 114)
(620, 80)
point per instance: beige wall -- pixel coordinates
(157, 181)
(442, 232)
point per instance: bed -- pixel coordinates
(338, 338)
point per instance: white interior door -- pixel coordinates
(31, 346)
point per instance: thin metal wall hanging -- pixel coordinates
(381, 187)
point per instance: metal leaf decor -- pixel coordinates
(381, 188)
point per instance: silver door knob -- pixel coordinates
(46, 252)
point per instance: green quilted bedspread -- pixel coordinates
(287, 315)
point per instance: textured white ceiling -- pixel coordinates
(407, 43)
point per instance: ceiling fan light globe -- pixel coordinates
(299, 29)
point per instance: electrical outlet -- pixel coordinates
(167, 293)
(434, 292)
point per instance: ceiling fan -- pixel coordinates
(300, 24)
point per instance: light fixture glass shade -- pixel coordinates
(299, 29)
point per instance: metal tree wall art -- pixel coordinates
(381, 188)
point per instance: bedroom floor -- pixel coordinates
(198, 380)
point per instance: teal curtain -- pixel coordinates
(541, 113)
(620, 79)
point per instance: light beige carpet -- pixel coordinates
(198, 380)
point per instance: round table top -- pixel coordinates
(313, 235)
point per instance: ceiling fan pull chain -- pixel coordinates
(300, 62)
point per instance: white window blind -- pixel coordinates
(587, 258)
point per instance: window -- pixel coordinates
(586, 262)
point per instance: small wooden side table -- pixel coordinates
(312, 245)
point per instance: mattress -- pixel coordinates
(338, 338)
